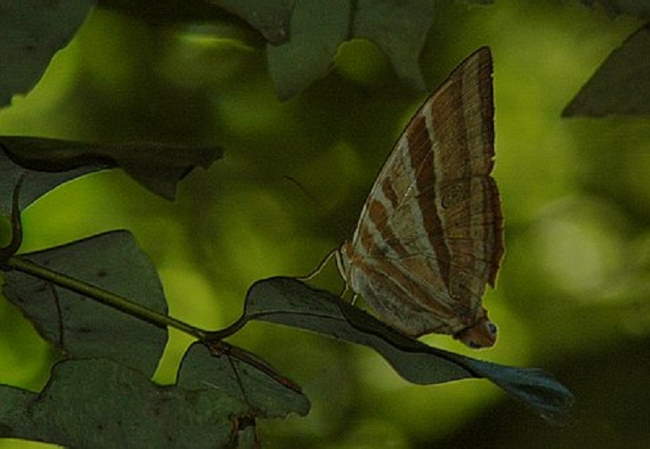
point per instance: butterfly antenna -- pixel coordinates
(302, 188)
(319, 267)
(316, 271)
(314, 200)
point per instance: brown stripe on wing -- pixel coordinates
(386, 240)
(487, 104)
(420, 152)
(448, 123)
(493, 206)
(450, 217)
(462, 119)
(389, 192)
(452, 179)
(481, 140)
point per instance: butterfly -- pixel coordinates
(430, 235)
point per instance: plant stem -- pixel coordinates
(104, 296)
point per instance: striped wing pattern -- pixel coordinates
(430, 235)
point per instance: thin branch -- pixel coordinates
(104, 296)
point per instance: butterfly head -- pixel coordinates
(483, 334)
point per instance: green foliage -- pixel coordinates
(314, 51)
(621, 85)
(271, 17)
(318, 28)
(97, 403)
(292, 303)
(54, 289)
(399, 29)
(101, 388)
(31, 32)
(639, 8)
(104, 382)
(81, 328)
(156, 166)
(232, 374)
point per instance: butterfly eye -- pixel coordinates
(492, 329)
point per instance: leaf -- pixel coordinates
(400, 29)
(50, 162)
(31, 31)
(317, 28)
(621, 85)
(166, 12)
(269, 17)
(290, 302)
(36, 183)
(241, 380)
(639, 8)
(533, 386)
(82, 327)
(98, 403)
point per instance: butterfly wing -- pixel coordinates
(430, 235)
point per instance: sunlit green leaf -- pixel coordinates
(31, 32)
(290, 302)
(157, 166)
(621, 85)
(317, 28)
(82, 327)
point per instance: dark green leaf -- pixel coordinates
(167, 12)
(621, 85)
(31, 31)
(317, 28)
(241, 380)
(99, 404)
(158, 167)
(399, 28)
(639, 8)
(290, 302)
(533, 386)
(36, 183)
(269, 17)
(82, 327)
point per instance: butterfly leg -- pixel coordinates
(345, 289)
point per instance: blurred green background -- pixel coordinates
(572, 296)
